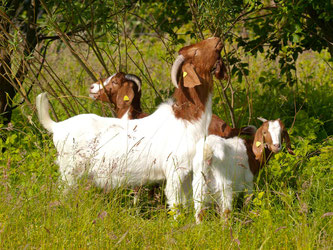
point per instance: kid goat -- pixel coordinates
(115, 152)
(223, 166)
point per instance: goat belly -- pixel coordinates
(141, 156)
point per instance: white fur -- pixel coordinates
(115, 152)
(274, 129)
(220, 168)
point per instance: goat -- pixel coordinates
(115, 152)
(223, 166)
(122, 90)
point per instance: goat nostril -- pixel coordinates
(92, 87)
(277, 145)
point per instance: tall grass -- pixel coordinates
(291, 206)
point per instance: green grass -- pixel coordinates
(291, 206)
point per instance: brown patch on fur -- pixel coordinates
(220, 128)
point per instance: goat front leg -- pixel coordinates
(198, 195)
(174, 192)
(249, 182)
(225, 202)
(200, 185)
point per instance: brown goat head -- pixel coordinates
(120, 89)
(197, 62)
(270, 136)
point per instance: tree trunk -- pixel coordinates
(7, 80)
(7, 91)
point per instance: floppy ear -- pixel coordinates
(221, 70)
(125, 96)
(258, 144)
(286, 138)
(191, 79)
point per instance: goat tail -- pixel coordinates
(42, 104)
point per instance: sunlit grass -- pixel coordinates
(291, 207)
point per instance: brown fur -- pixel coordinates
(220, 128)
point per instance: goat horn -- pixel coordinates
(175, 68)
(262, 119)
(135, 79)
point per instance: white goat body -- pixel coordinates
(220, 168)
(115, 152)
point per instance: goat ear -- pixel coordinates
(125, 97)
(190, 77)
(258, 144)
(286, 138)
(221, 70)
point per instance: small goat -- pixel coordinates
(119, 90)
(223, 166)
(115, 152)
(122, 90)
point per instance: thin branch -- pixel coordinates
(195, 20)
(63, 37)
(143, 61)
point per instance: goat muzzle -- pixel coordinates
(219, 70)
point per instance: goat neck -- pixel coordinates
(194, 74)
(132, 108)
(257, 164)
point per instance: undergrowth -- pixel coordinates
(290, 208)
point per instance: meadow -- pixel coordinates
(292, 206)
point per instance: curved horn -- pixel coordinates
(262, 119)
(175, 68)
(135, 79)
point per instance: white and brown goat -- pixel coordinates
(115, 152)
(225, 166)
